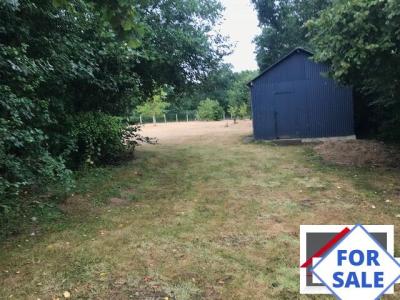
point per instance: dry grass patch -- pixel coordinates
(360, 153)
(191, 218)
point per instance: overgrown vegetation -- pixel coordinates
(72, 72)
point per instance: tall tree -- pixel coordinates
(282, 26)
(180, 44)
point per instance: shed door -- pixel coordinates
(286, 113)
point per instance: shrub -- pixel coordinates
(209, 110)
(25, 161)
(26, 165)
(100, 139)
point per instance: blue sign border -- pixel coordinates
(337, 245)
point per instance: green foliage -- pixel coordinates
(97, 138)
(223, 85)
(282, 26)
(26, 165)
(215, 86)
(55, 62)
(233, 110)
(360, 40)
(239, 95)
(209, 110)
(240, 111)
(71, 70)
(155, 105)
(180, 44)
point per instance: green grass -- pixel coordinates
(195, 221)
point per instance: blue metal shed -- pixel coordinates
(292, 99)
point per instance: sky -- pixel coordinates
(240, 24)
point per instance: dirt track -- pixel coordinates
(178, 132)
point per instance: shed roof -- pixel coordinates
(294, 51)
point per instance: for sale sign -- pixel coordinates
(350, 262)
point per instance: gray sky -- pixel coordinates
(240, 24)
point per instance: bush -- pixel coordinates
(209, 110)
(100, 139)
(26, 164)
(25, 161)
(28, 169)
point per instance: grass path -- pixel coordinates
(207, 218)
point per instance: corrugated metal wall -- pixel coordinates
(293, 100)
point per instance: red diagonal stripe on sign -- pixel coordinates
(326, 247)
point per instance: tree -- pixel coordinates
(360, 40)
(215, 86)
(155, 105)
(282, 27)
(60, 63)
(209, 110)
(240, 111)
(180, 45)
(72, 71)
(239, 95)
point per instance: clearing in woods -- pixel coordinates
(201, 215)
